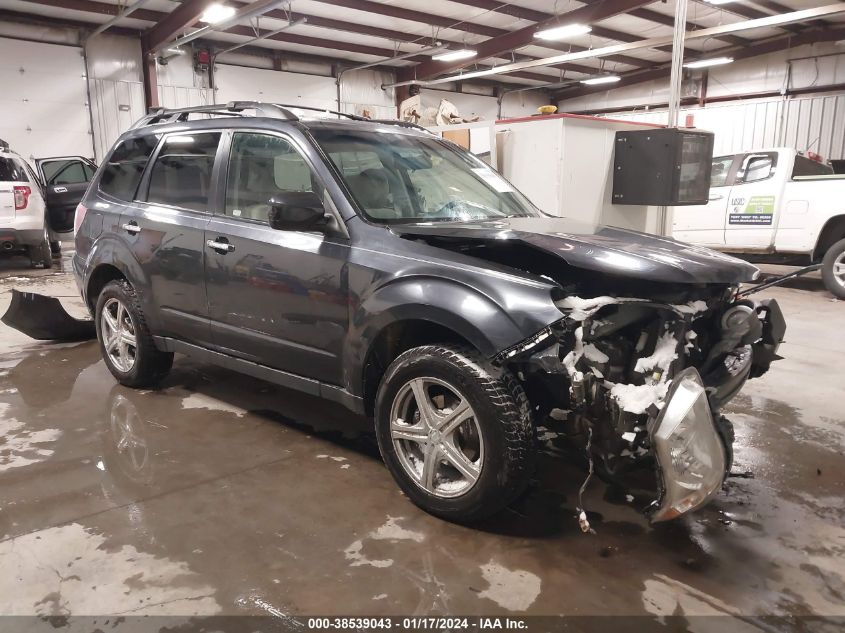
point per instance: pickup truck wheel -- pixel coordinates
(833, 269)
(125, 341)
(457, 436)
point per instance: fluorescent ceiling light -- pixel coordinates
(706, 63)
(717, 2)
(607, 79)
(452, 56)
(563, 32)
(216, 13)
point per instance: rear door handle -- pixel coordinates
(716, 196)
(220, 247)
(131, 227)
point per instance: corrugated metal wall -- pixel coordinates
(118, 104)
(814, 123)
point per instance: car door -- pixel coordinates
(705, 224)
(750, 219)
(165, 227)
(275, 297)
(65, 181)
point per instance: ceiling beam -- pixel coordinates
(776, 7)
(43, 20)
(422, 17)
(667, 20)
(613, 34)
(513, 40)
(793, 17)
(102, 8)
(373, 31)
(761, 47)
(750, 13)
(442, 22)
(174, 23)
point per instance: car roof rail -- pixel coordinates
(157, 116)
(356, 117)
(296, 106)
(407, 124)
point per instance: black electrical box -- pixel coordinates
(662, 166)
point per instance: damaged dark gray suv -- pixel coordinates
(376, 265)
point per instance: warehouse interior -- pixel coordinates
(696, 136)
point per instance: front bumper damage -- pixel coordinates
(647, 382)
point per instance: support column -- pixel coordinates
(664, 216)
(677, 62)
(148, 68)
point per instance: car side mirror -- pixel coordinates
(757, 167)
(297, 211)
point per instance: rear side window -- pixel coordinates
(11, 170)
(124, 167)
(181, 175)
(806, 167)
(66, 172)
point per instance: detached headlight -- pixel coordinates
(688, 448)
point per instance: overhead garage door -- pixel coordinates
(43, 100)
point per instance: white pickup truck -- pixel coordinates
(772, 206)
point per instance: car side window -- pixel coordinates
(11, 170)
(721, 170)
(181, 174)
(66, 172)
(124, 167)
(260, 166)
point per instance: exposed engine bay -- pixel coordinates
(646, 381)
(637, 371)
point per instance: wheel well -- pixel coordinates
(832, 232)
(394, 339)
(102, 275)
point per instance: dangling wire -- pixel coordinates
(583, 522)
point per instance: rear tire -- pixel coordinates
(125, 340)
(56, 248)
(40, 255)
(471, 450)
(833, 269)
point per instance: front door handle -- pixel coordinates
(220, 247)
(715, 196)
(131, 227)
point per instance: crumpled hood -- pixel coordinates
(604, 249)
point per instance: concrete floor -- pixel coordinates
(220, 494)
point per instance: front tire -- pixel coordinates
(833, 269)
(56, 248)
(456, 435)
(125, 340)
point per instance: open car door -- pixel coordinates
(65, 180)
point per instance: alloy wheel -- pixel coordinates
(437, 437)
(118, 334)
(839, 269)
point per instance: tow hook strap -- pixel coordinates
(779, 280)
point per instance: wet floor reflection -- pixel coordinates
(222, 494)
